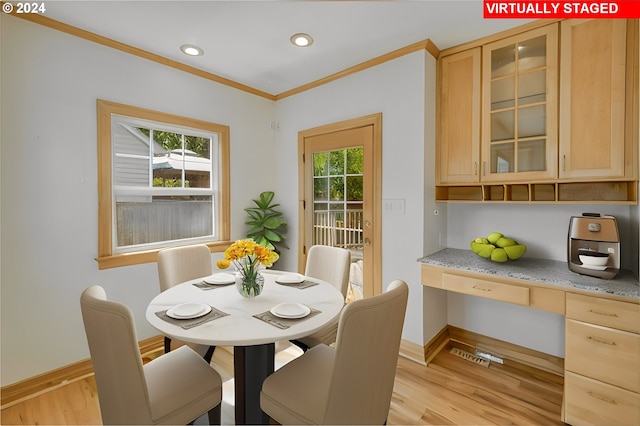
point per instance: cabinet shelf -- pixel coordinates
(597, 192)
(509, 104)
(512, 140)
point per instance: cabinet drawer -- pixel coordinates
(609, 355)
(610, 313)
(484, 288)
(590, 402)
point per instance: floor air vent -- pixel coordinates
(469, 357)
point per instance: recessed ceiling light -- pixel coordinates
(191, 50)
(301, 40)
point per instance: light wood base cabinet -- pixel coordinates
(484, 288)
(602, 361)
(591, 402)
(606, 312)
(515, 291)
(603, 353)
(602, 341)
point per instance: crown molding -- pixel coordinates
(424, 44)
(123, 47)
(126, 48)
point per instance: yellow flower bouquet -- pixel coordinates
(247, 256)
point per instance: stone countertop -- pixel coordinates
(549, 272)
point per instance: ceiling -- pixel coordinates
(248, 41)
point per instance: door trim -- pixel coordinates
(374, 120)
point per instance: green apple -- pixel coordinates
(499, 255)
(515, 252)
(506, 242)
(480, 247)
(486, 250)
(497, 247)
(494, 236)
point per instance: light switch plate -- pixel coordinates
(395, 206)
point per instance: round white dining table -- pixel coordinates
(253, 339)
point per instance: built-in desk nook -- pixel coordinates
(602, 325)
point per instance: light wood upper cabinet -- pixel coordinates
(519, 123)
(458, 148)
(592, 99)
(557, 120)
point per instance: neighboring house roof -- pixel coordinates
(163, 159)
(175, 159)
(138, 135)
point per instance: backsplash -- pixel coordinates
(543, 228)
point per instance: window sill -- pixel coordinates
(149, 256)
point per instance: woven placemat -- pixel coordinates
(283, 323)
(304, 284)
(193, 322)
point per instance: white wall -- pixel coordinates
(50, 82)
(434, 301)
(543, 228)
(396, 89)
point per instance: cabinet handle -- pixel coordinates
(475, 168)
(602, 398)
(607, 314)
(605, 342)
(564, 162)
(481, 288)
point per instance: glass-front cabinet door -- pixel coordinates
(519, 136)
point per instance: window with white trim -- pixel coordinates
(165, 180)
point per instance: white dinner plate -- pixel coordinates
(220, 278)
(291, 310)
(290, 279)
(189, 310)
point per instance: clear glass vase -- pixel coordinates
(250, 285)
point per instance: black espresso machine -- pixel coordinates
(594, 245)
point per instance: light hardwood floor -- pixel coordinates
(450, 390)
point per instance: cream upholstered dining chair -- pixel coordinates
(351, 384)
(175, 388)
(177, 265)
(331, 264)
